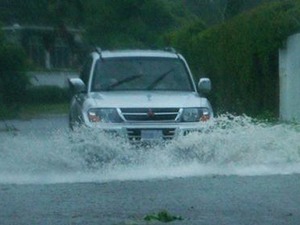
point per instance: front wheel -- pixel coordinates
(71, 123)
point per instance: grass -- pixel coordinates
(37, 110)
(29, 111)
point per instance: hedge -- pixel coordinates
(241, 56)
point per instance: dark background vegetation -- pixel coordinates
(234, 42)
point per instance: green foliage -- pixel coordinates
(162, 216)
(181, 39)
(13, 79)
(130, 23)
(42, 12)
(241, 56)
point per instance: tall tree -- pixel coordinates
(125, 23)
(233, 7)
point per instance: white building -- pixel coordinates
(289, 78)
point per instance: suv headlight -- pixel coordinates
(195, 114)
(104, 115)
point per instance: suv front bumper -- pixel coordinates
(150, 131)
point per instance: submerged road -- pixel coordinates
(197, 200)
(209, 199)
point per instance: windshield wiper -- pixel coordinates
(125, 80)
(159, 79)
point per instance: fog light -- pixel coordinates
(205, 116)
(93, 117)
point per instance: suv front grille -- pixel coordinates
(150, 114)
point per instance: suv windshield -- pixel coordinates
(141, 73)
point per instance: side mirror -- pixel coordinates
(76, 85)
(204, 85)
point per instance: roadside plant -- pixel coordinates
(162, 216)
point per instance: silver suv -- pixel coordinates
(139, 94)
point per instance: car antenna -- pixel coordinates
(170, 49)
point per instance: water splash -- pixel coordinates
(234, 146)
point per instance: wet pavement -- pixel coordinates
(197, 200)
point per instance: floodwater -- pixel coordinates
(45, 152)
(238, 171)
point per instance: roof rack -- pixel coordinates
(170, 49)
(99, 51)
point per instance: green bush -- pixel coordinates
(13, 79)
(241, 56)
(163, 216)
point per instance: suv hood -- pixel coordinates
(140, 99)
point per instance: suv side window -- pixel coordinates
(86, 69)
